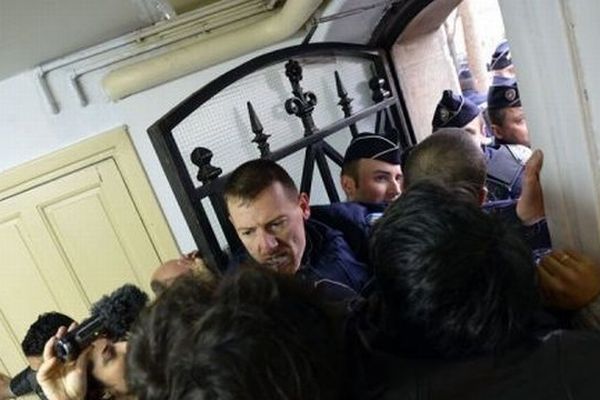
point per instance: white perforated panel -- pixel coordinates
(222, 123)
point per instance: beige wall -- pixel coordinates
(425, 69)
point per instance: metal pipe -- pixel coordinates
(135, 37)
(231, 17)
(145, 74)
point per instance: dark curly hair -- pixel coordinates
(41, 331)
(457, 282)
(259, 336)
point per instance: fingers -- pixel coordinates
(48, 352)
(535, 162)
(72, 326)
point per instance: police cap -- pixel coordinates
(453, 111)
(501, 57)
(374, 147)
(504, 95)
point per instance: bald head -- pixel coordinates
(168, 272)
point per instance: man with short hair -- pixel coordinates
(451, 158)
(371, 170)
(506, 114)
(272, 221)
(505, 163)
(44, 327)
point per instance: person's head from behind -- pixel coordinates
(249, 341)
(187, 264)
(448, 156)
(268, 214)
(457, 282)
(39, 333)
(371, 170)
(506, 114)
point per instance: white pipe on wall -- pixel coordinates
(145, 74)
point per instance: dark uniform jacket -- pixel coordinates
(330, 263)
(558, 365)
(504, 173)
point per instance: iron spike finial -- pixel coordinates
(260, 138)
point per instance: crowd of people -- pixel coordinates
(436, 279)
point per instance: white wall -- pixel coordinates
(29, 130)
(555, 49)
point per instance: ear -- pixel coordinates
(303, 203)
(497, 129)
(483, 193)
(349, 186)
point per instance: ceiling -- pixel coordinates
(35, 31)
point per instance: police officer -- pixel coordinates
(371, 170)
(274, 223)
(507, 119)
(505, 163)
(501, 65)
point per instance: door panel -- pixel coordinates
(64, 244)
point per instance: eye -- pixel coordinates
(246, 232)
(380, 178)
(277, 225)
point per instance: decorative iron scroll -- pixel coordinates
(303, 103)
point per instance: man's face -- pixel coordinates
(514, 128)
(108, 360)
(271, 227)
(378, 182)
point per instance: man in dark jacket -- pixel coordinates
(272, 221)
(456, 312)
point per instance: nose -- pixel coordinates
(267, 242)
(393, 188)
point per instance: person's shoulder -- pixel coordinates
(353, 212)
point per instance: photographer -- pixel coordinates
(88, 361)
(97, 373)
(32, 345)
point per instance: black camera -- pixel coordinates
(112, 317)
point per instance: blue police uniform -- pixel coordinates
(331, 264)
(354, 220)
(504, 173)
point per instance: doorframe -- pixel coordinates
(114, 144)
